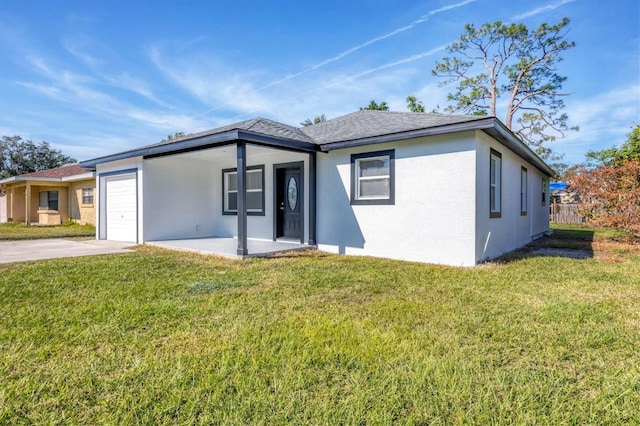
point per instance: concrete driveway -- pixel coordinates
(24, 250)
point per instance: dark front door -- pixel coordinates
(289, 202)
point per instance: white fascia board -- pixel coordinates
(83, 176)
(9, 179)
(27, 179)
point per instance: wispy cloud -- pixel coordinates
(335, 101)
(407, 60)
(211, 81)
(353, 49)
(79, 47)
(541, 9)
(76, 91)
(604, 121)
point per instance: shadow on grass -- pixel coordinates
(569, 243)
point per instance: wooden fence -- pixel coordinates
(565, 213)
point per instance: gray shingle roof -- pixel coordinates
(358, 128)
(368, 123)
(258, 125)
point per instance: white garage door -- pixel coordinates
(121, 208)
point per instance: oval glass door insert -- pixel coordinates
(292, 193)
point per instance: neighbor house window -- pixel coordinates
(372, 178)
(87, 195)
(523, 191)
(544, 192)
(48, 200)
(495, 184)
(254, 186)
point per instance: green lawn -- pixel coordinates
(160, 337)
(20, 231)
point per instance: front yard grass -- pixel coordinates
(21, 231)
(161, 337)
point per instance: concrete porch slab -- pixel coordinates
(227, 247)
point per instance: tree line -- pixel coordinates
(608, 185)
(18, 156)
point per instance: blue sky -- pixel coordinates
(98, 77)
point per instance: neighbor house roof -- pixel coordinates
(62, 174)
(363, 127)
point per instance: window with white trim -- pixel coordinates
(87, 195)
(523, 191)
(48, 200)
(254, 188)
(372, 177)
(495, 184)
(544, 192)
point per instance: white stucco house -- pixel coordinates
(435, 188)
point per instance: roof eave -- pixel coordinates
(165, 149)
(82, 176)
(204, 142)
(28, 178)
(9, 180)
(502, 134)
(411, 134)
(490, 125)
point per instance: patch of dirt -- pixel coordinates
(572, 253)
(612, 250)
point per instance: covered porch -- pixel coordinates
(239, 191)
(236, 199)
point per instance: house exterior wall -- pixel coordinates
(539, 209)
(433, 217)
(16, 202)
(47, 217)
(178, 198)
(496, 236)
(259, 227)
(182, 194)
(78, 211)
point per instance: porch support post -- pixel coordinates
(27, 204)
(312, 198)
(241, 162)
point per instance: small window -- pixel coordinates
(523, 191)
(87, 195)
(48, 200)
(495, 184)
(372, 178)
(544, 192)
(254, 186)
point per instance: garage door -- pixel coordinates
(121, 208)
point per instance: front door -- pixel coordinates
(289, 203)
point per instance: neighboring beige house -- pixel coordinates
(51, 197)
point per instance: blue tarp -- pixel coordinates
(558, 186)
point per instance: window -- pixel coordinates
(372, 178)
(495, 184)
(544, 192)
(523, 191)
(254, 186)
(87, 195)
(48, 200)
